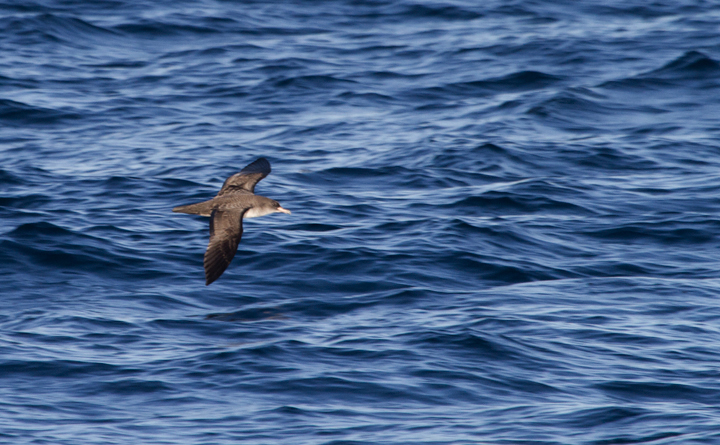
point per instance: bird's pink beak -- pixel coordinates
(280, 209)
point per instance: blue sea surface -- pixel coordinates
(505, 222)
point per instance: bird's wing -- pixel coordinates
(247, 178)
(225, 233)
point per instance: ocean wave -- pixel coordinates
(503, 224)
(18, 113)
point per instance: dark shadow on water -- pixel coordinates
(247, 315)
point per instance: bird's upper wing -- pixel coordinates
(247, 178)
(225, 233)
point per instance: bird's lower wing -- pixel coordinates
(225, 233)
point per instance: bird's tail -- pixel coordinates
(201, 208)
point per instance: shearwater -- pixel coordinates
(235, 200)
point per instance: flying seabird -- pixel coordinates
(235, 200)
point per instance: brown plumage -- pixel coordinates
(235, 200)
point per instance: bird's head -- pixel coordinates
(278, 208)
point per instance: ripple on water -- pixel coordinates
(504, 223)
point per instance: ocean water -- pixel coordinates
(504, 227)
